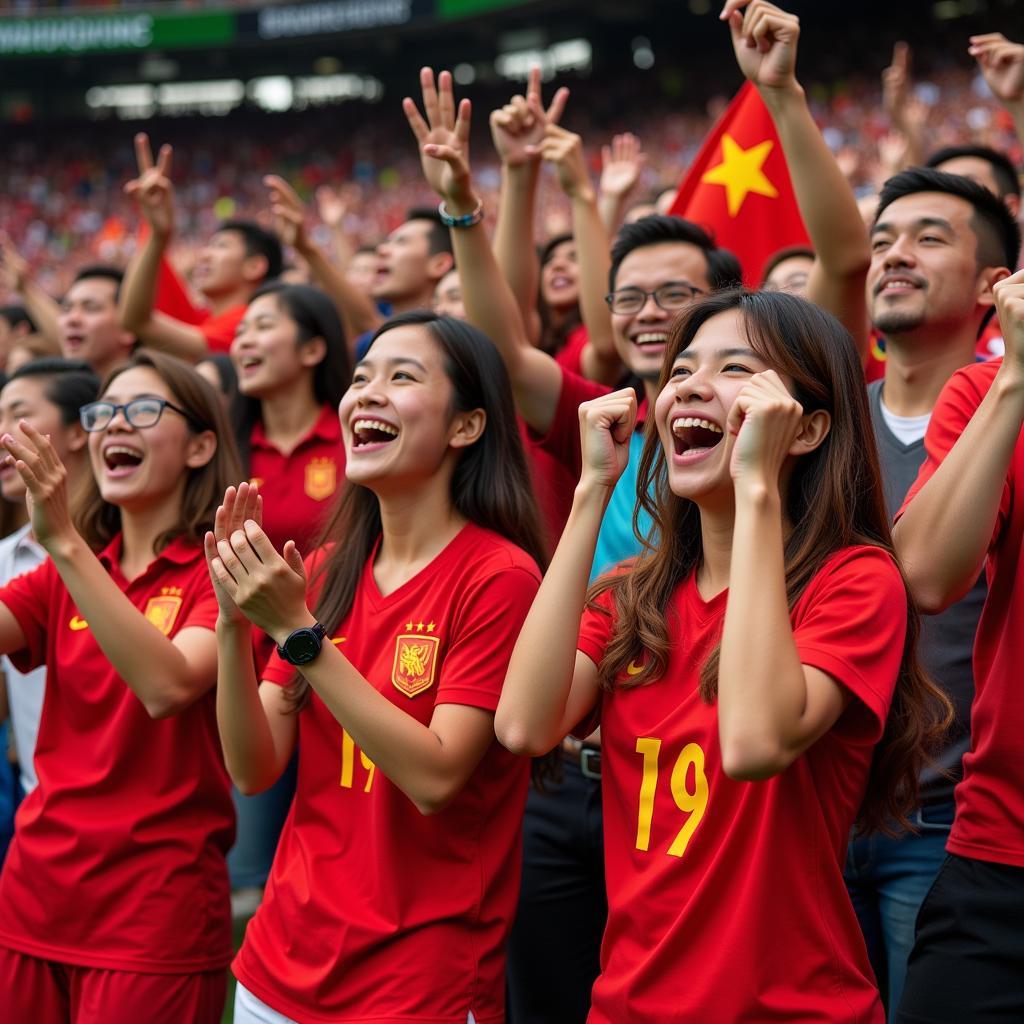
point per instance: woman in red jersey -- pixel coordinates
(753, 673)
(114, 897)
(292, 366)
(394, 884)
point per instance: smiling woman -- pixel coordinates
(127, 736)
(429, 564)
(742, 670)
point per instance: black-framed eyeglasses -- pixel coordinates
(139, 412)
(670, 297)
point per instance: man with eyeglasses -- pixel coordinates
(659, 265)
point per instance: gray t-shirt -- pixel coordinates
(947, 640)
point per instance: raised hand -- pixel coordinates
(606, 427)
(896, 84)
(45, 477)
(763, 423)
(152, 189)
(764, 38)
(1009, 295)
(332, 205)
(288, 212)
(621, 165)
(1002, 64)
(443, 139)
(564, 149)
(13, 266)
(518, 127)
(240, 503)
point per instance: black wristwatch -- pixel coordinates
(302, 645)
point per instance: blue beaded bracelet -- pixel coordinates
(467, 220)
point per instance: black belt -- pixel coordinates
(586, 758)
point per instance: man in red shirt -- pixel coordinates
(963, 513)
(237, 259)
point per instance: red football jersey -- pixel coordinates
(118, 855)
(726, 899)
(374, 912)
(297, 488)
(989, 821)
(219, 330)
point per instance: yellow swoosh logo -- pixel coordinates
(633, 669)
(76, 623)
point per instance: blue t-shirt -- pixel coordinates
(616, 542)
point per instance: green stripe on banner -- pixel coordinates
(39, 37)
(450, 9)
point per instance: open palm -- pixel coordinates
(443, 136)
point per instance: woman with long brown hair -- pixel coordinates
(114, 900)
(753, 672)
(392, 892)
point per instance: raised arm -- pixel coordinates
(600, 360)
(17, 277)
(946, 530)
(517, 129)
(771, 707)
(166, 675)
(257, 731)
(903, 111)
(765, 41)
(551, 686)
(154, 193)
(1002, 63)
(622, 163)
(444, 152)
(357, 311)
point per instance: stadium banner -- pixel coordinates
(102, 33)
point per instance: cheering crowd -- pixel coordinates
(532, 607)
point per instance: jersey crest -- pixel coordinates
(415, 661)
(321, 478)
(162, 611)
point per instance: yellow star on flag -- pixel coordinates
(740, 172)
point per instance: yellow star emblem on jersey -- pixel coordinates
(740, 172)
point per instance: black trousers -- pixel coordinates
(553, 956)
(967, 965)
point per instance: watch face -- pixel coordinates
(302, 646)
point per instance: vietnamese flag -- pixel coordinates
(739, 188)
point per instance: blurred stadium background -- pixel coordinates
(311, 89)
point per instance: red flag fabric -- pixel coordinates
(739, 187)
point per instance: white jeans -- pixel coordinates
(250, 1010)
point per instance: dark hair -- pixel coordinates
(994, 227)
(104, 271)
(1002, 167)
(226, 374)
(834, 499)
(315, 316)
(439, 239)
(791, 252)
(724, 269)
(205, 485)
(67, 383)
(490, 486)
(16, 316)
(554, 331)
(258, 241)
